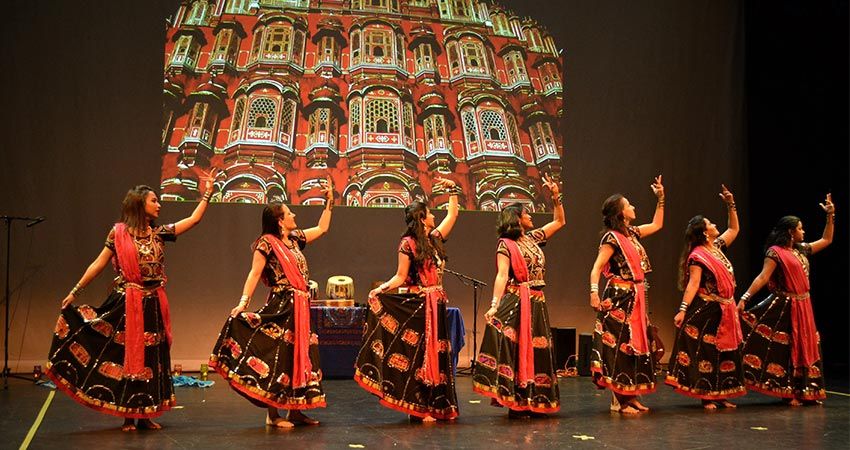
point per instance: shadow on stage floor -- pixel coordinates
(218, 418)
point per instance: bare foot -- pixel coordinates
(629, 409)
(795, 402)
(147, 424)
(638, 405)
(298, 417)
(709, 405)
(129, 425)
(727, 404)
(417, 419)
(278, 422)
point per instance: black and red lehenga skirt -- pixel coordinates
(697, 368)
(496, 367)
(255, 354)
(389, 364)
(87, 358)
(768, 365)
(613, 363)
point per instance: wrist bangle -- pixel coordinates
(594, 287)
(76, 290)
(745, 297)
(207, 196)
(731, 206)
(494, 302)
(559, 198)
(683, 306)
(660, 203)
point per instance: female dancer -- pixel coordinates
(115, 358)
(270, 356)
(781, 344)
(406, 356)
(516, 366)
(706, 361)
(621, 360)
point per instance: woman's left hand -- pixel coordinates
(328, 188)
(207, 179)
(726, 195)
(827, 205)
(441, 183)
(552, 185)
(658, 188)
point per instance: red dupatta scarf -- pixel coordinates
(804, 348)
(638, 339)
(729, 335)
(525, 368)
(430, 281)
(127, 260)
(301, 366)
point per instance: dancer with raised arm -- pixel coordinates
(516, 365)
(115, 358)
(621, 359)
(271, 357)
(706, 358)
(782, 355)
(406, 357)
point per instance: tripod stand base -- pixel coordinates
(7, 373)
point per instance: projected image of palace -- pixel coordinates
(382, 95)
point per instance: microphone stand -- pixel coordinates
(8, 219)
(469, 281)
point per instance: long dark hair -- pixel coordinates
(414, 214)
(133, 208)
(612, 214)
(694, 237)
(271, 214)
(781, 233)
(509, 221)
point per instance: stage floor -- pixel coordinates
(218, 418)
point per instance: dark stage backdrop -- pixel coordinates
(653, 88)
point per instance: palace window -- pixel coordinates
(424, 56)
(322, 128)
(237, 6)
(515, 66)
(542, 139)
(436, 136)
(279, 42)
(186, 52)
(198, 12)
(381, 116)
(236, 122)
(226, 46)
(469, 56)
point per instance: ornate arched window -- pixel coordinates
(226, 48)
(424, 56)
(279, 41)
(237, 6)
(469, 56)
(436, 132)
(198, 13)
(488, 128)
(186, 51)
(236, 122)
(543, 140)
(322, 128)
(515, 67)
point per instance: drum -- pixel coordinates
(340, 287)
(313, 287)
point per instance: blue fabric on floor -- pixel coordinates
(185, 380)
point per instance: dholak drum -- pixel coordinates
(313, 287)
(340, 287)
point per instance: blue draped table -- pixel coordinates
(340, 331)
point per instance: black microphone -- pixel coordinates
(36, 221)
